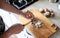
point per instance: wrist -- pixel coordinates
(20, 12)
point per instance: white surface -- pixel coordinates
(53, 6)
(11, 19)
(24, 34)
(59, 6)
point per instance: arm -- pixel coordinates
(15, 29)
(8, 7)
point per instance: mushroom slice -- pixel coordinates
(36, 23)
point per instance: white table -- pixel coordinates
(13, 18)
(53, 6)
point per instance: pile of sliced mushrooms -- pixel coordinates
(47, 12)
(36, 23)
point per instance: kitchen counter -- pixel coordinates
(38, 5)
(53, 6)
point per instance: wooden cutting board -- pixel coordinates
(45, 31)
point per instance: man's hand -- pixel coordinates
(15, 29)
(28, 15)
(4, 5)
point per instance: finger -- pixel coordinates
(29, 15)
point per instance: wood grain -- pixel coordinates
(45, 31)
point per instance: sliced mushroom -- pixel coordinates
(36, 23)
(52, 14)
(42, 11)
(47, 14)
(46, 10)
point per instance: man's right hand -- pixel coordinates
(15, 29)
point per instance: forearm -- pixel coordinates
(15, 29)
(5, 35)
(9, 7)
